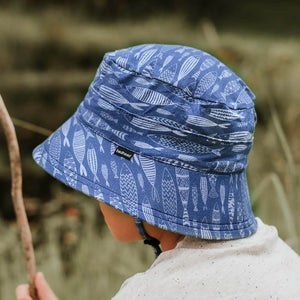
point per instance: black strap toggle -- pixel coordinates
(148, 240)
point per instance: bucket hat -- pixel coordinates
(163, 135)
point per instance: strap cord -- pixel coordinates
(148, 240)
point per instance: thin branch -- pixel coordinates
(17, 196)
(31, 127)
(46, 80)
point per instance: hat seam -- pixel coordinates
(191, 168)
(190, 131)
(175, 88)
(62, 167)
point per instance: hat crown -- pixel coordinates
(173, 103)
(196, 73)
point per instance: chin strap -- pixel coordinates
(148, 240)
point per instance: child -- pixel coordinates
(161, 140)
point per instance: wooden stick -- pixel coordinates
(17, 196)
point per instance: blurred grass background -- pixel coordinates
(49, 52)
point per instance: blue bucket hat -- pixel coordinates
(163, 135)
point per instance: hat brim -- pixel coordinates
(208, 206)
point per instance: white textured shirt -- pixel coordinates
(261, 266)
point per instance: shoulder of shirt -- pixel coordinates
(259, 253)
(265, 233)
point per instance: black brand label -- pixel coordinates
(124, 152)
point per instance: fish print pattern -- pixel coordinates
(55, 150)
(141, 180)
(162, 224)
(215, 219)
(104, 171)
(43, 162)
(65, 130)
(172, 124)
(85, 189)
(239, 147)
(183, 183)
(120, 134)
(149, 96)
(189, 121)
(147, 211)
(163, 112)
(239, 212)
(224, 114)
(108, 117)
(122, 61)
(205, 232)
(112, 95)
(115, 201)
(79, 143)
(38, 154)
(148, 69)
(231, 204)
(228, 235)
(92, 161)
(114, 168)
(167, 122)
(222, 196)
(100, 140)
(98, 194)
(212, 182)
(149, 169)
(231, 87)
(205, 84)
(195, 198)
(104, 68)
(208, 63)
(243, 97)
(169, 197)
(128, 189)
(204, 191)
(214, 89)
(241, 136)
(146, 55)
(182, 145)
(130, 129)
(166, 62)
(70, 170)
(145, 124)
(143, 145)
(188, 65)
(169, 73)
(196, 232)
(113, 148)
(225, 74)
(185, 157)
(203, 122)
(106, 105)
(183, 56)
(145, 82)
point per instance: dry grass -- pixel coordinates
(72, 247)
